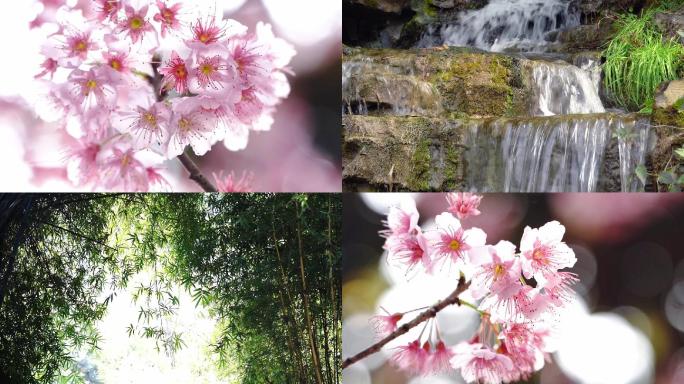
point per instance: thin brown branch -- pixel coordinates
(424, 316)
(196, 174)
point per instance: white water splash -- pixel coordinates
(564, 89)
(521, 25)
(555, 154)
(385, 90)
(633, 144)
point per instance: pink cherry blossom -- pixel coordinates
(498, 271)
(121, 170)
(525, 346)
(478, 363)
(409, 251)
(544, 251)
(49, 67)
(90, 89)
(440, 360)
(463, 204)
(192, 125)
(135, 24)
(402, 219)
(210, 31)
(411, 358)
(78, 44)
(231, 183)
(107, 9)
(558, 287)
(452, 242)
(211, 72)
(110, 77)
(147, 125)
(386, 324)
(82, 164)
(516, 310)
(176, 74)
(168, 17)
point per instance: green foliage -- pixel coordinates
(256, 275)
(638, 58)
(266, 266)
(53, 259)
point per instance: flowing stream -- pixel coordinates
(564, 144)
(552, 154)
(503, 25)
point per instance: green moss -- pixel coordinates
(411, 33)
(673, 117)
(679, 104)
(420, 174)
(453, 159)
(476, 84)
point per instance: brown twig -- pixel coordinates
(424, 316)
(196, 174)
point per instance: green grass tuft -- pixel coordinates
(638, 59)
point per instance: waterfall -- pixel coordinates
(551, 154)
(350, 92)
(564, 89)
(634, 144)
(379, 89)
(521, 25)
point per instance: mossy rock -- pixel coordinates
(469, 82)
(384, 153)
(668, 124)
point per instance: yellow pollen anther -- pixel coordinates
(498, 270)
(207, 69)
(81, 46)
(125, 160)
(184, 125)
(136, 23)
(116, 64)
(150, 119)
(455, 245)
(168, 16)
(539, 256)
(91, 84)
(204, 37)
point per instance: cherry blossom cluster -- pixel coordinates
(518, 293)
(136, 82)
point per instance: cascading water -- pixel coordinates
(564, 89)
(634, 144)
(554, 154)
(386, 90)
(520, 25)
(569, 145)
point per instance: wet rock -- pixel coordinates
(394, 6)
(586, 37)
(368, 24)
(668, 123)
(392, 153)
(375, 89)
(669, 93)
(541, 154)
(671, 23)
(457, 82)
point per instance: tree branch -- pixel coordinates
(77, 234)
(196, 174)
(424, 316)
